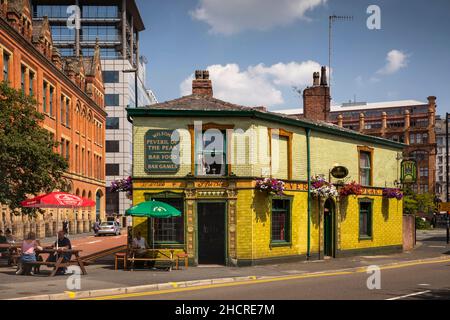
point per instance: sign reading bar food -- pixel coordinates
(161, 152)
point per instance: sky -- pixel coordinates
(259, 52)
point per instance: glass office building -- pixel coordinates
(116, 25)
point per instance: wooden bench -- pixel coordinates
(165, 258)
(120, 256)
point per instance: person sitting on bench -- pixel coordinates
(29, 246)
(63, 244)
(140, 246)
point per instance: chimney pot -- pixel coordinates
(316, 79)
(201, 85)
(323, 79)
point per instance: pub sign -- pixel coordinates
(161, 152)
(409, 171)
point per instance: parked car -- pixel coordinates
(109, 227)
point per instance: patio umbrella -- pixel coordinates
(153, 209)
(58, 200)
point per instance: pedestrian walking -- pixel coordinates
(66, 226)
(96, 227)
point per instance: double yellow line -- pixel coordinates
(258, 281)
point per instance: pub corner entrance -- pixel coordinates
(211, 232)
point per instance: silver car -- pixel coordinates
(109, 227)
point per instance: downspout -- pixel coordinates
(308, 172)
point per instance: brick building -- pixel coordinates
(70, 93)
(410, 122)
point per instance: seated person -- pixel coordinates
(29, 246)
(63, 244)
(140, 245)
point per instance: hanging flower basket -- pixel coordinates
(321, 188)
(392, 193)
(270, 185)
(123, 185)
(350, 189)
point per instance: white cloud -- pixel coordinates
(395, 61)
(258, 85)
(233, 16)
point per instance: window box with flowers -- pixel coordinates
(320, 188)
(350, 189)
(392, 193)
(123, 185)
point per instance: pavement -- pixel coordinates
(103, 277)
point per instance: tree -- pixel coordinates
(414, 203)
(28, 162)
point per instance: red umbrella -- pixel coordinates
(60, 200)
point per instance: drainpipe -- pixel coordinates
(308, 170)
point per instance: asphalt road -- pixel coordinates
(413, 281)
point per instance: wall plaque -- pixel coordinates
(162, 154)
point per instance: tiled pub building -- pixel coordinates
(70, 93)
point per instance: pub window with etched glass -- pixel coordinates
(211, 153)
(365, 219)
(365, 167)
(168, 230)
(281, 211)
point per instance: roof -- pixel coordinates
(197, 105)
(361, 106)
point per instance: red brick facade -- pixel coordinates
(70, 93)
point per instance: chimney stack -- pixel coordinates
(316, 99)
(201, 85)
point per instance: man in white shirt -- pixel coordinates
(140, 244)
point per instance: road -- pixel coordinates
(407, 281)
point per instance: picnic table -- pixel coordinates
(60, 263)
(156, 255)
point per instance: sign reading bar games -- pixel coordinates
(161, 152)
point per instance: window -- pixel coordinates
(6, 61)
(44, 97)
(63, 144)
(67, 150)
(50, 98)
(281, 220)
(67, 113)
(111, 100)
(31, 83)
(423, 172)
(111, 76)
(112, 123)
(112, 202)
(112, 169)
(23, 74)
(169, 230)
(365, 168)
(365, 219)
(62, 107)
(112, 146)
(211, 153)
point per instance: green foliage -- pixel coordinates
(422, 225)
(414, 203)
(28, 163)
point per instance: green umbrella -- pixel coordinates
(153, 209)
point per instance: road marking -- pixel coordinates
(258, 281)
(437, 247)
(424, 284)
(97, 241)
(410, 295)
